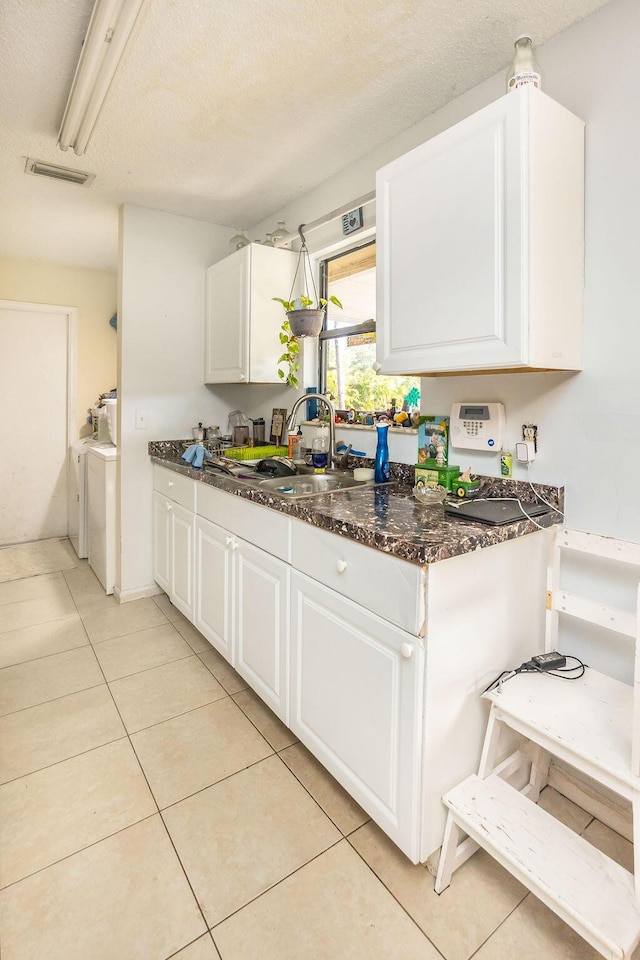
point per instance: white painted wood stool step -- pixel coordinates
(588, 890)
(591, 727)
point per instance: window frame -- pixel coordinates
(366, 326)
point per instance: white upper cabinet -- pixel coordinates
(481, 244)
(242, 321)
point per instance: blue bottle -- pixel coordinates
(382, 454)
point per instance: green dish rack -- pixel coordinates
(255, 453)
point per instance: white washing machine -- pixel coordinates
(77, 496)
(101, 486)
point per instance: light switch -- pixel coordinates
(141, 420)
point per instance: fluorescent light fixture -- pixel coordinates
(38, 168)
(109, 29)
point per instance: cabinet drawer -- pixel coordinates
(258, 525)
(180, 489)
(392, 588)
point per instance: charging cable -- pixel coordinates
(539, 497)
(553, 663)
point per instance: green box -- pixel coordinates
(431, 474)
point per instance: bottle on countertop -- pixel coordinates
(524, 70)
(382, 453)
(295, 451)
(320, 451)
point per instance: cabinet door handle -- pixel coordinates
(341, 566)
(376, 366)
(406, 649)
(234, 544)
(169, 507)
(170, 483)
(228, 541)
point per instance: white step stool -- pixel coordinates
(593, 724)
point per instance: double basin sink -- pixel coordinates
(294, 487)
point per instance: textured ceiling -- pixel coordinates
(225, 110)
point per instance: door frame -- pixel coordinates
(72, 352)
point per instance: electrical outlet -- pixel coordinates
(530, 432)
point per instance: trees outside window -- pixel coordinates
(348, 349)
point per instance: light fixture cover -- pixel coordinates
(109, 29)
(39, 168)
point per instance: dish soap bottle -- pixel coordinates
(382, 453)
(524, 70)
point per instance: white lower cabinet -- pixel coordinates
(173, 538)
(261, 624)
(242, 608)
(356, 703)
(213, 585)
(183, 524)
(376, 664)
(161, 541)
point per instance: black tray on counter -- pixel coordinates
(497, 513)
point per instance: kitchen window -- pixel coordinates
(348, 339)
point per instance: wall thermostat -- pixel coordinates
(477, 426)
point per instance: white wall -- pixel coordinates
(94, 293)
(163, 259)
(589, 423)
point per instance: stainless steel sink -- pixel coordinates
(311, 485)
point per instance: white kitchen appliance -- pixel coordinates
(477, 426)
(77, 496)
(101, 486)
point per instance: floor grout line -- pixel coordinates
(226, 695)
(88, 846)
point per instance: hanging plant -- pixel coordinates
(291, 356)
(305, 314)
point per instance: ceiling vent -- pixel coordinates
(38, 168)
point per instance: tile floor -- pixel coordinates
(152, 807)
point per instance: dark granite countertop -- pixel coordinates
(386, 517)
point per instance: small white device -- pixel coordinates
(477, 426)
(525, 451)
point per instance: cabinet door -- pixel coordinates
(356, 703)
(212, 615)
(162, 541)
(272, 271)
(227, 319)
(261, 624)
(181, 555)
(451, 216)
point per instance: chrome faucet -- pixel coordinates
(291, 421)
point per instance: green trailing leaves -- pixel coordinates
(290, 358)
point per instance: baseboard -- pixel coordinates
(124, 596)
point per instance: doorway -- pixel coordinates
(38, 420)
